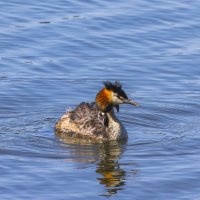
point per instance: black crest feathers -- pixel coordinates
(115, 87)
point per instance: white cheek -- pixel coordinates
(116, 100)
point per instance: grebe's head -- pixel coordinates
(112, 95)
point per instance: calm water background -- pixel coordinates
(55, 54)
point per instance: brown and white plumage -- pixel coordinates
(96, 121)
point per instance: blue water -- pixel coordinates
(55, 54)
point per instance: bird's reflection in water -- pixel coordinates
(106, 156)
(112, 176)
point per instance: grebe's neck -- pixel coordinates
(117, 130)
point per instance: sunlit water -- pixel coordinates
(55, 54)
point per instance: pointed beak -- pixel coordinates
(129, 101)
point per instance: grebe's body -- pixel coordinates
(86, 122)
(96, 121)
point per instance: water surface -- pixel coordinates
(55, 55)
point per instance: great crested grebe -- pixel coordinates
(96, 121)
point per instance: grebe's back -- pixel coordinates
(84, 122)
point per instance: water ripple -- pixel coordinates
(56, 55)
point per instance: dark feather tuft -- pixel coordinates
(117, 107)
(115, 87)
(112, 86)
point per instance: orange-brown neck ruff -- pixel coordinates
(104, 100)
